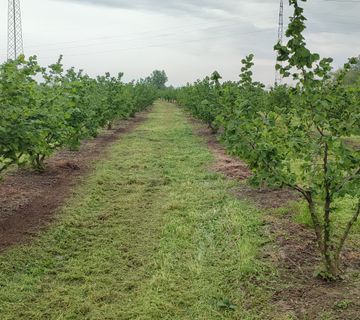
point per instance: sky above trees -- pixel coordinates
(189, 39)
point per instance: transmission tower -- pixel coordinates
(278, 77)
(15, 40)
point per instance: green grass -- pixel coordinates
(150, 234)
(343, 211)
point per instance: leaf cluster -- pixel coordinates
(46, 109)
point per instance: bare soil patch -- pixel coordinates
(293, 249)
(355, 144)
(234, 168)
(230, 166)
(298, 291)
(29, 200)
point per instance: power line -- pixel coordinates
(180, 28)
(161, 36)
(162, 44)
(142, 35)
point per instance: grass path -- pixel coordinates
(150, 234)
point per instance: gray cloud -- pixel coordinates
(192, 37)
(324, 15)
(171, 5)
(200, 8)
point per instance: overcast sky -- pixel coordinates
(188, 38)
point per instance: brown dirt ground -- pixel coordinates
(292, 250)
(28, 200)
(355, 144)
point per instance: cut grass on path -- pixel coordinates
(150, 234)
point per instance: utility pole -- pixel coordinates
(15, 40)
(278, 78)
